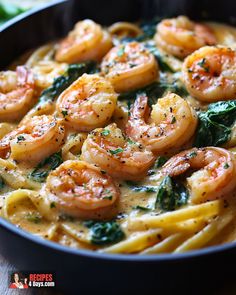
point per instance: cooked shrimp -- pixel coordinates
(210, 73)
(216, 177)
(34, 140)
(88, 103)
(16, 94)
(172, 123)
(129, 66)
(88, 41)
(180, 36)
(82, 190)
(46, 71)
(117, 155)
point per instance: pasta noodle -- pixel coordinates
(122, 139)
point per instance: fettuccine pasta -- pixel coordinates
(122, 139)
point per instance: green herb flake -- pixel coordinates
(105, 132)
(130, 141)
(138, 207)
(53, 205)
(104, 232)
(192, 155)
(108, 198)
(203, 65)
(20, 138)
(34, 217)
(64, 113)
(116, 151)
(173, 120)
(121, 51)
(2, 183)
(226, 166)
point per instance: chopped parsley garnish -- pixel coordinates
(64, 113)
(53, 205)
(121, 51)
(131, 141)
(20, 138)
(138, 207)
(226, 166)
(34, 217)
(108, 198)
(2, 183)
(192, 155)
(203, 65)
(105, 132)
(116, 151)
(173, 120)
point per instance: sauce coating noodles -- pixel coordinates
(117, 139)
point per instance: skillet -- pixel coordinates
(80, 271)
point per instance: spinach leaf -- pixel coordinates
(160, 161)
(73, 72)
(104, 232)
(148, 28)
(40, 173)
(145, 188)
(9, 10)
(214, 127)
(171, 194)
(153, 91)
(163, 65)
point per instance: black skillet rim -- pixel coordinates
(217, 249)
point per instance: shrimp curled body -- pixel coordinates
(180, 36)
(129, 66)
(216, 177)
(88, 103)
(209, 73)
(16, 94)
(80, 189)
(117, 155)
(172, 123)
(34, 140)
(88, 41)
